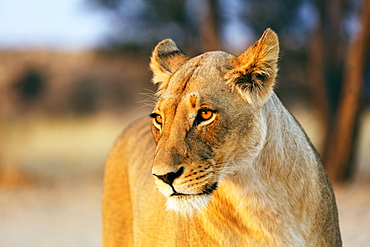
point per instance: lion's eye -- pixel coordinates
(204, 116)
(157, 120)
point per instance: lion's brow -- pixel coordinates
(178, 87)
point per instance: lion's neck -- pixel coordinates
(276, 187)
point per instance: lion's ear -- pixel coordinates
(253, 73)
(166, 59)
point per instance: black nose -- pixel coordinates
(171, 176)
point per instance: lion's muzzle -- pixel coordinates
(171, 176)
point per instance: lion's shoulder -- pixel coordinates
(133, 147)
(127, 172)
(129, 190)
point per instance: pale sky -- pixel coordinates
(65, 24)
(72, 24)
(60, 24)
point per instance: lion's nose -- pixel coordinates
(171, 176)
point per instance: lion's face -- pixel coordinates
(202, 123)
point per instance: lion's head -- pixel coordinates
(208, 117)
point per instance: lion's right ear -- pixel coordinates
(254, 71)
(166, 59)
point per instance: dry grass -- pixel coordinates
(52, 148)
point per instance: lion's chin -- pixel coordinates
(187, 205)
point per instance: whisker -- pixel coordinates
(149, 101)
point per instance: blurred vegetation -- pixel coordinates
(317, 40)
(30, 85)
(63, 83)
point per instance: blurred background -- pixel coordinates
(73, 73)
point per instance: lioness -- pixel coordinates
(228, 164)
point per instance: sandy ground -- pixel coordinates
(354, 214)
(51, 216)
(68, 214)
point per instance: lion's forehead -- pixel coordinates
(199, 72)
(198, 81)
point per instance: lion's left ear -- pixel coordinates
(253, 73)
(166, 59)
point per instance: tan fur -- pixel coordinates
(247, 175)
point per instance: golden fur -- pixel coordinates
(231, 167)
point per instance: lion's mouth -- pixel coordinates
(208, 191)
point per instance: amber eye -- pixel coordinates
(204, 117)
(158, 119)
(206, 114)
